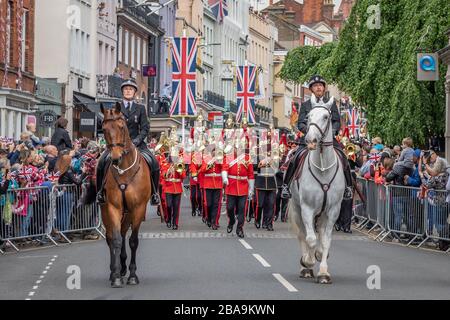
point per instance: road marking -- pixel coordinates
(284, 282)
(261, 260)
(245, 244)
(224, 234)
(42, 276)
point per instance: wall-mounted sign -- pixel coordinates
(149, 70)
(427, 67)
(87, 121)
(47, 118)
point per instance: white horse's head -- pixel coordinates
(319, 123)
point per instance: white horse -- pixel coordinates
(317, 193)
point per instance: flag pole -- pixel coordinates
(183, 117)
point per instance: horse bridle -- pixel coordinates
(120, 144)
(322, 133)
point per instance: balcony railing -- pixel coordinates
(214, 98)
(139, 13)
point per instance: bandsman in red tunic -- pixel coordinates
(173, 188)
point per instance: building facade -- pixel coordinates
(139, 42)
(262, 37)
(74, 60)
(17, 79)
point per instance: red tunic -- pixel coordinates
(239, 173)
(212, 178)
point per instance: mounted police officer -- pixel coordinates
(138, 128)
(317, 86)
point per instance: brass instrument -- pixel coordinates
(163, 142)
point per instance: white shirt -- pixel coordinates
(127, 104)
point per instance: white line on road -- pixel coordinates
(38, 281)
(261, 260)
(44, 272)
(50, 263)
(35, 287)
(245, 244)
(284, 282)
(47, 267)
(41, 277)
(31, 294)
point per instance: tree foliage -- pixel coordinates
(377, 67)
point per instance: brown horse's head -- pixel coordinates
(116, 132)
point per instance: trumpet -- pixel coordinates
(350, 149)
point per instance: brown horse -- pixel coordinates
(127, 192)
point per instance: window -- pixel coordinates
(100, 58)
(24, 38)
(133, 51)
(120, 43)
(144, 52)
(8, 32)
(139, 53)
(127, 48)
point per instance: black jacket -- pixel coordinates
(61, 140)
(69, 178)
(303, 118)
(137, 122)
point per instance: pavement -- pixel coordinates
(198, 263)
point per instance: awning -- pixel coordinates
(88, 102)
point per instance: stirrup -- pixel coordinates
(100, 197)
(285, 192)
(155, 199)
(348, 193)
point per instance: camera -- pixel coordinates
(426, 154)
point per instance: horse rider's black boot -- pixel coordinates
(100, 176)
(154, 168)
(285, 192)
(348, 193)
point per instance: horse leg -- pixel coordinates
(116, 245)
(323, 276)
(311, 240)
(111, 255)
(134, 242)
(123, 253)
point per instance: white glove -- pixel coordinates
(251, 188)
(225, 177)
(195, 179)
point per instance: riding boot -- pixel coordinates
(99, 180)
(348, 193)
(289, 174)
(155, 198)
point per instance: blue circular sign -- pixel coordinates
(427, 63)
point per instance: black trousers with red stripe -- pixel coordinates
(237, 206)
(196, 198)
(213, 203)
(265, 205)
(173, 201)
(281, 205)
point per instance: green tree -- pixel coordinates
(377, 67)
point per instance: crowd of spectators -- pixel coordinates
(424, 173)
(30, 167)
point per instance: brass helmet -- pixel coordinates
(229, 123)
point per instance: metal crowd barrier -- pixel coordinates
(359, 205)
(40, 212)
(69, 215)
(398, 210)
(405, 212)
(437, 211)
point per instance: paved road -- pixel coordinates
(198, 263)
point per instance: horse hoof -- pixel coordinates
(324, 279)
(307, 273)
(117, 283)
(132, 281)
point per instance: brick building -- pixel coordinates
(17, 80)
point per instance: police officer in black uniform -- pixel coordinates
(317, 86)
(138, 128)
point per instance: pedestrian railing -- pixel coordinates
(398, 210)
(39, 213)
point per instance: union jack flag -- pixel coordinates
(184, 63)
(246, 76)
(53, 176)
(219, 9)
(353, 122)
(374, 157)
